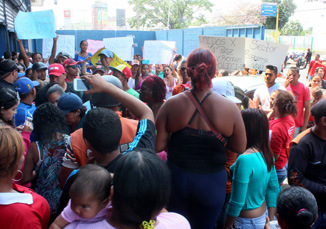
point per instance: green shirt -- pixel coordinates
(133, 92)
(252, 184)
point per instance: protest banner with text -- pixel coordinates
(233, 53)
(229, 51)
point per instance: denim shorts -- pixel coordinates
(250, 223)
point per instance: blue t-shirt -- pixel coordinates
(24, 111)
(252, 184)
(81, 58)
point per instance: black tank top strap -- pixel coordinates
(200, 103)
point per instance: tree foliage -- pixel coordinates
(286, 10)
(245, 12)
(293, 28)
(154, 13)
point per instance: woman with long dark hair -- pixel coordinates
(8, 104)
(140, 190)
(195, 138)
(45, 155)
(254, 181)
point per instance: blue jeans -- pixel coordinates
(250, 223)
(321, 221)
(282, 174)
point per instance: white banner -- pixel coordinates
(159, 52)
(232, 53)
(121, 46)
(229, 51)
(260, 53)
(66, 43)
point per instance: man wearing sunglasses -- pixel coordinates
(8, 73)
(72, 70)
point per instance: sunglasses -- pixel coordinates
(73, 66)
(182, 69)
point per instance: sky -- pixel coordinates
(81, 10)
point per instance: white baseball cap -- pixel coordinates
(224, 88)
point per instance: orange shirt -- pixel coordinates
(79, 148)
(231, 157)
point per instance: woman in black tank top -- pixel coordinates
(195, 139)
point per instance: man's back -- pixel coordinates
(306, 166)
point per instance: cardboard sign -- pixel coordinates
(159, 52)
(232, 53)
(259, 53)
(35, 25)
(94, 45)
(122, 46)
(228, 51)
(65, 43)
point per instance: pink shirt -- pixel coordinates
(70, 216)
(166, 220)
(301, 95)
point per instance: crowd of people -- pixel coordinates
(158, 146)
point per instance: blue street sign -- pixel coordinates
(268, 9)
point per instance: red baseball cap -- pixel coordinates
(123, 69)
(56, 70)
(69, 62)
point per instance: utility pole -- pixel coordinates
(277, 15)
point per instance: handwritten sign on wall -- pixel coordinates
(65, 43)
(229, 51)
(159, 52)
(35, 25)
(121, 46)
(233, 52)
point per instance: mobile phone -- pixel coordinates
(81, 85)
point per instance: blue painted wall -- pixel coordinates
(139, 36)
(186, 39)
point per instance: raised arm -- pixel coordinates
(22, 51)
(54, 50)
(83, 70)
(137, 107)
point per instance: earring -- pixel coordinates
(19, 172)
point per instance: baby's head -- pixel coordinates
(90, 191)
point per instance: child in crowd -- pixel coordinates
(88, 202)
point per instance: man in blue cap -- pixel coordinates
(106, 59)
(27, 92)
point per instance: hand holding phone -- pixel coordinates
(81, 85)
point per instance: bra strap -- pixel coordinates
(194, 100)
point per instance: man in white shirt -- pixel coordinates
(263, 93)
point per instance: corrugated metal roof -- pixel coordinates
(2, 17)
(11, 13)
